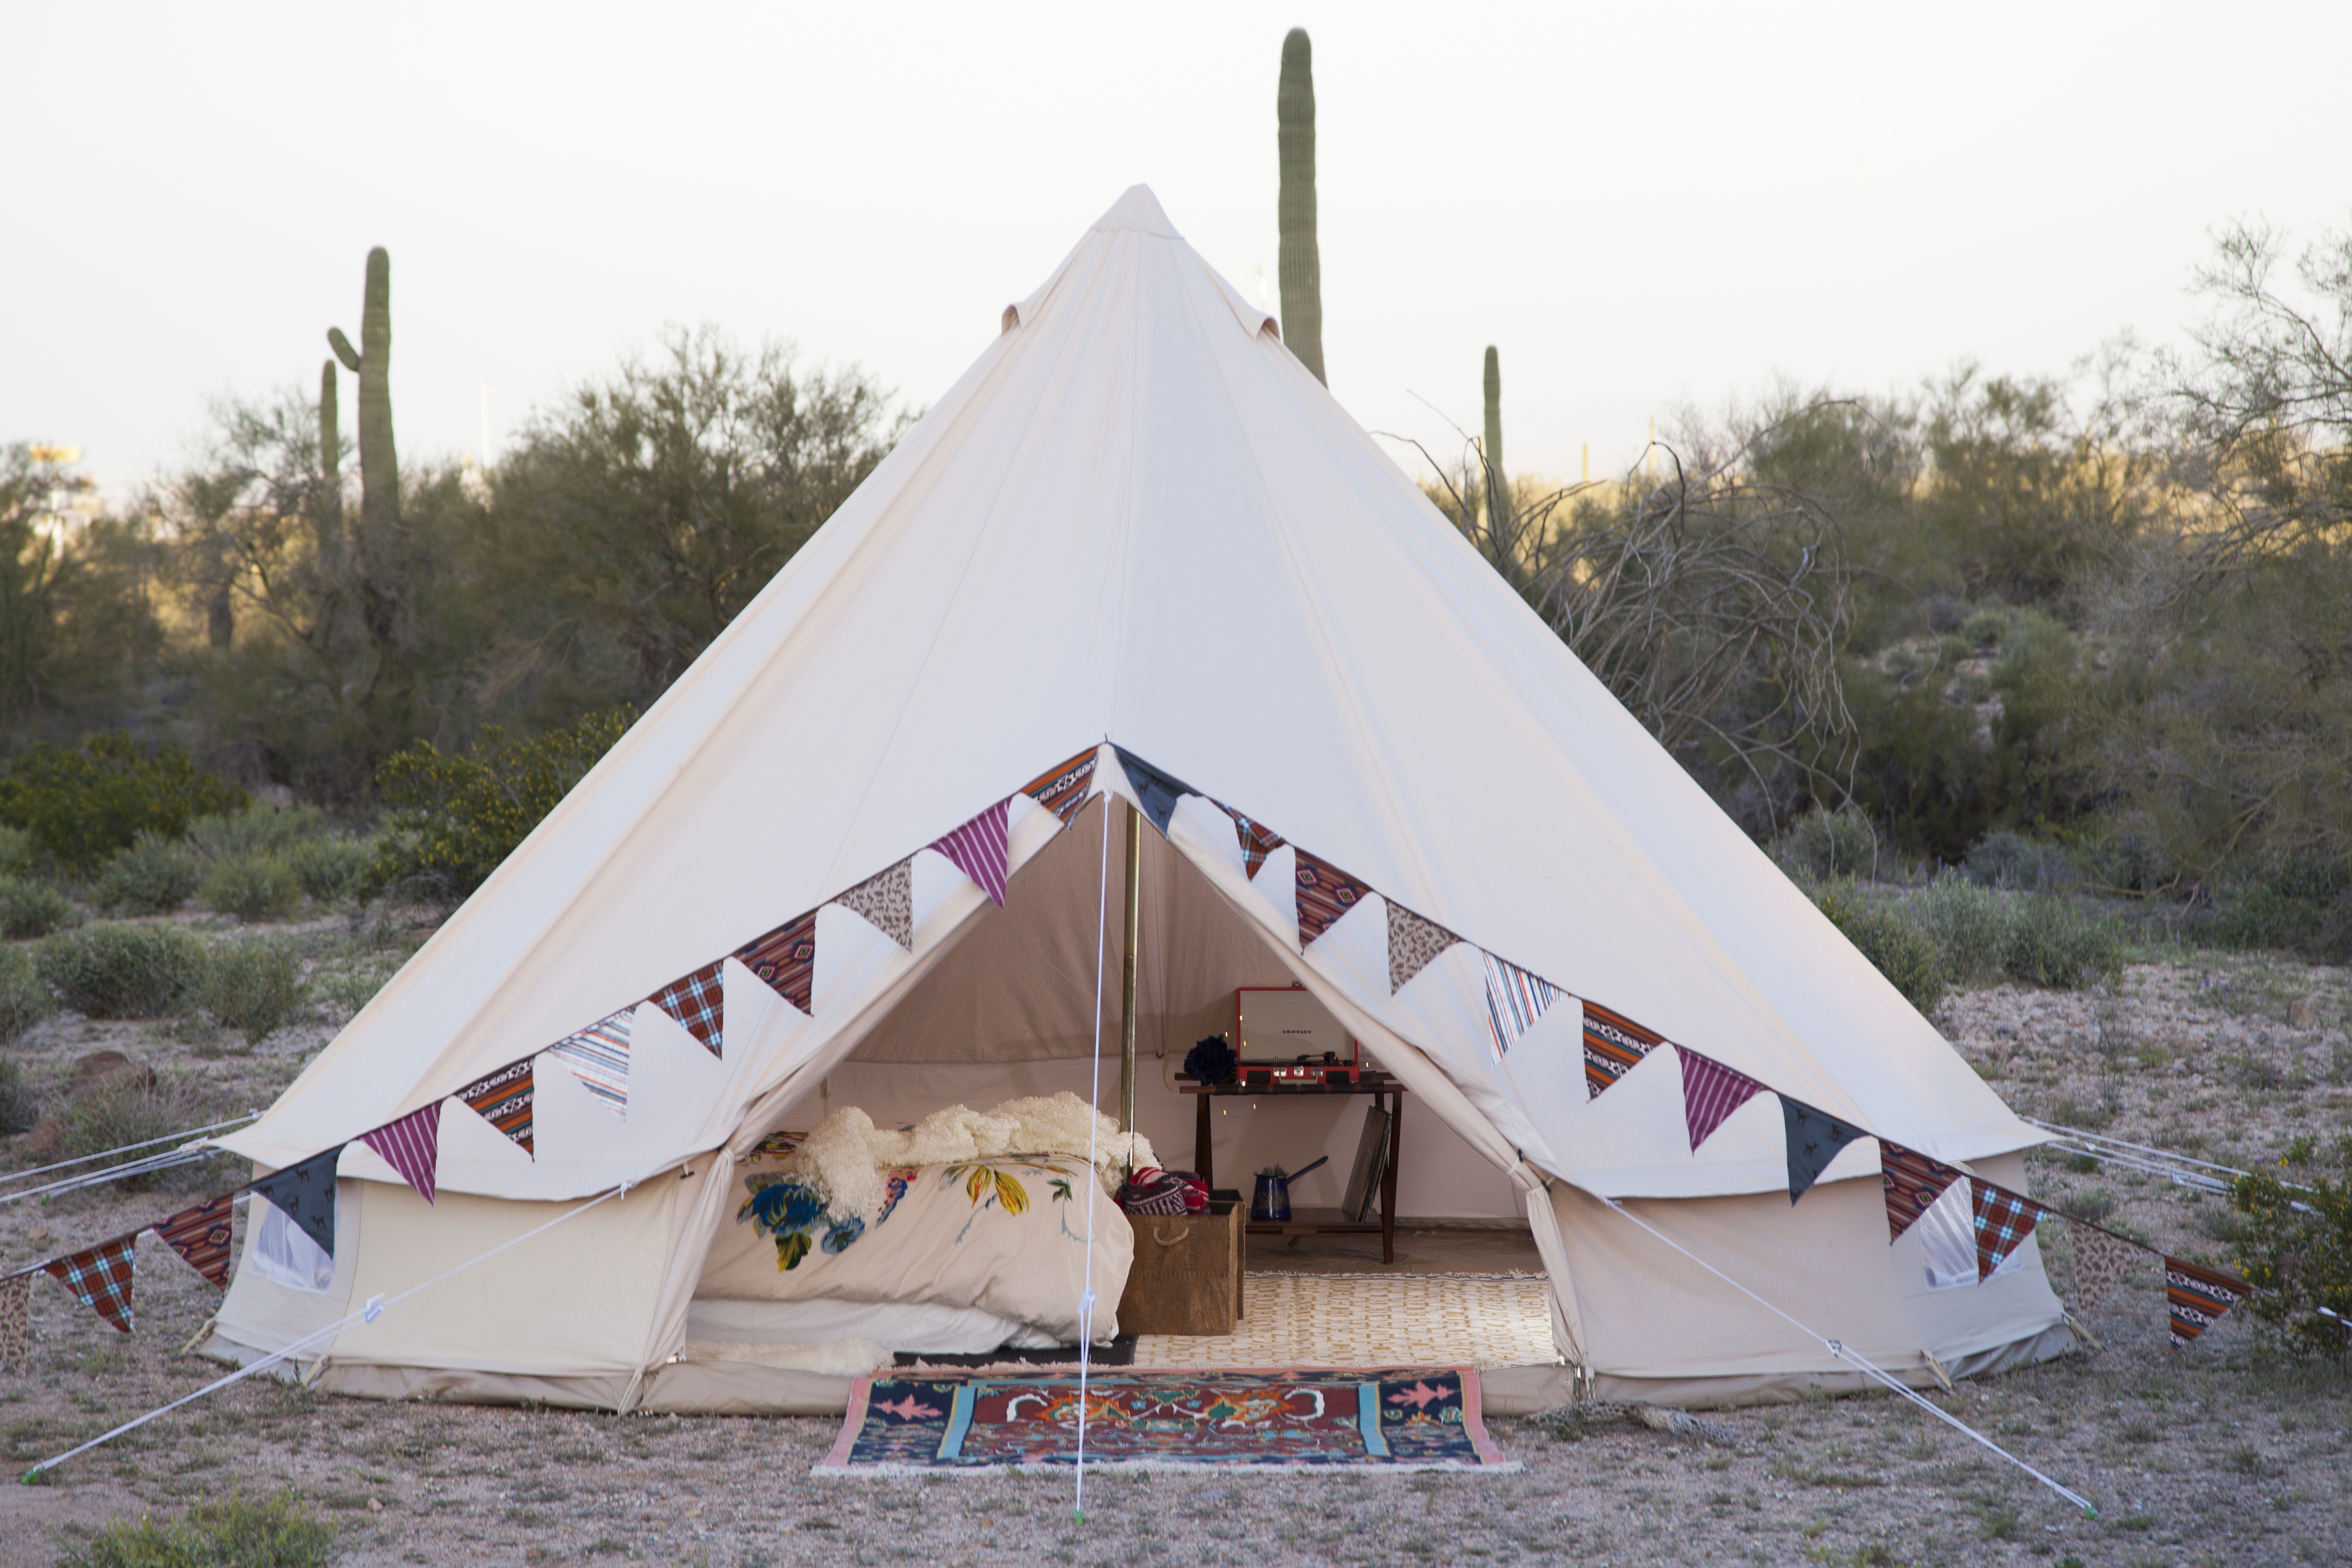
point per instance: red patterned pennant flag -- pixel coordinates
(2004, 1220)
(412, 1146)
(1711, 1093)
(1913, 1183)
(101, 1278)
(1514, 1001)
(1325, 894)
(1414, 944)
(1614, 1046)
(982, 850)
(695, 1001)
(2197, 1298)
(1257, 841)
(504, 1100)
(887, 902)
(1061, 788)
(599, 1057)
(786, 960)
(200, 1235)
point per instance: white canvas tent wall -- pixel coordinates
(1137, 518)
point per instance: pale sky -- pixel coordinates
(1643, 206)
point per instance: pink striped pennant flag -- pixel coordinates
(410, 1145)
(1711, 1093)
(982, 850)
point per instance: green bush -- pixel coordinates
(455, 817)
(1823, 845)
(2063, 945)
(82, 804)
(32, 908)
(128, 1111)
(154, 875)
(2295, 1247)
(19, 856)
(1905, 957)
(279, 1533)
(252, 887)
(1970, 927)
(2008, 860)
(258, 829)
(18, 1107)
(253, 987)
(25, 997)
(330, 869)
(124, 971)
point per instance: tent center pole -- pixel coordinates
(1126, 974)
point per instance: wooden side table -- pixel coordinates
(1385, 1092)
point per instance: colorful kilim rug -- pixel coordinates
(1391, 1418)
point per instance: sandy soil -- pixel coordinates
(2211, 1457)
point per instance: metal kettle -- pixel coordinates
(1271, 1202)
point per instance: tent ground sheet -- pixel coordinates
(1374, 1319)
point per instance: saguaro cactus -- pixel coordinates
(1498, 495)
(331, 462)
(372, 362)
(1300, 264)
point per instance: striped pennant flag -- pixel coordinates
(982, 850)
(786, 960)
(101, 1278)
(2196, 1298)
(1913, 1184)
(2004, 1220)
(1325, 894)
(504, 1100)
(695, 1000)
(410, 1145)
(1814, 1139)
(200, 1237)
(1062, 788)
(1257, 841)
(599, 1057)
(1614, 1046)
(1514, 1001)
(1711, 1093)
(1414, 944)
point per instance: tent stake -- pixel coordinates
(1126, 979)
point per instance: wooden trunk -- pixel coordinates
(1186, 1278)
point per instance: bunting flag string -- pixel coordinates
(1063, 789)
(1155, 791)
(305, 1193)
(1514, 1001)
(412, 1146)
(1614, 1046)
(887, 902)
(2003, 1220)
(982, 850)
(2196, 1297)
(1325, 894)
(201, 1235)
(1414, 944)
(1913, 1183)
(785, 959)
(2102, 1260)
(694, 1000)
(16, 1321)
(1711, 1093)
(100, 1276)
(1814, 1139)
(1257, 839)
(504, 1100)
(599, 1057)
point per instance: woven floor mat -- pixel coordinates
(1371, 1320)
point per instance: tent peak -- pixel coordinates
(1137, 208)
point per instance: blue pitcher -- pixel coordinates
(1271, 1203)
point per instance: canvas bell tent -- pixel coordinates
(1137, 554)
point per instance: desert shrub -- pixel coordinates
(329, 868)
(1823, 845)
(1970, 927)
(258, 829)
(253, 987)
(2299, 903)
(1900, 953)
(130, 1111)
(24, 999)
(154, 875)
(124, 971)
(82, 804)
(19, 1109)
(252, 887)
(2295, 1247)
(32, 908)
(234, 1533)
(19, 855)
(2008, 860)
(455, 817)
(2062, 944)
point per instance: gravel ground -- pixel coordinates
(2215, 1456)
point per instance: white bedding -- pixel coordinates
(925, 1326)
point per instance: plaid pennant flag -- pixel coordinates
(1325, 894)
(2101, 1261)
(695, 1000)
(2004, 1220)
(1514, 1001)
(504, 1099)
(412, 1146)
(786, 960)
(2197, 1298)
(982, 850)
(1414, 944)
(200, 1235)
(1711, 1093)
(16, 1321)
(1913, 1183)
(887, 901)
(1257, 841)
(101, 1278)
(599, 1057)
(1814, 1139)
(1061, 788)
(1614, 1046)
(306, 1194)
(1155, 791)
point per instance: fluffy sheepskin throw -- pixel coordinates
(843, 1157)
